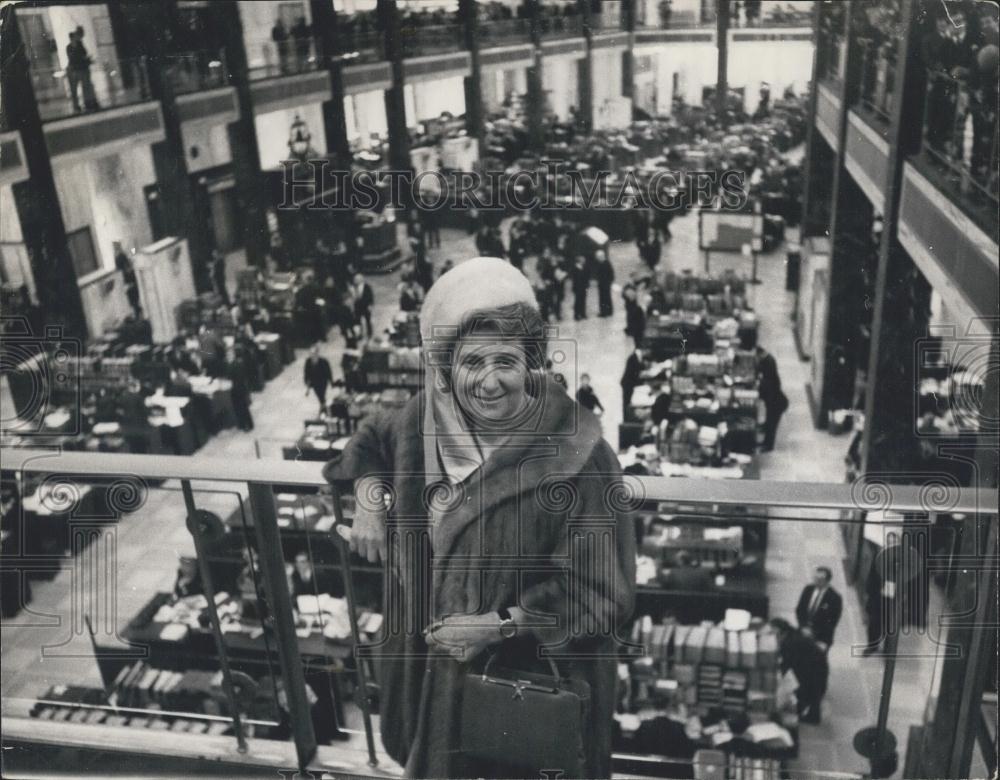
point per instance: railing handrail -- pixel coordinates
(863, 495)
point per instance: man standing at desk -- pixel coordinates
(364, 299)
(318, 376)
(819, 608)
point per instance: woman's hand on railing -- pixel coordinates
(368, 531)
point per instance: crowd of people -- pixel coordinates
(961, 53)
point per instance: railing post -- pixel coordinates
(194, 526)
(272, 565)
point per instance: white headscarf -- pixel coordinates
(451, 450)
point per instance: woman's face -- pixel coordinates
(489, 380)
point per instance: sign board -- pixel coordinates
(728, 231)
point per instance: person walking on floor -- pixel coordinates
(364, 300)
(631, 378)
(237, 372)
(775, 401)
(635, 315)
(819, 609)
(318, 376)
(586, 396)
(219, 276)
(604, 272)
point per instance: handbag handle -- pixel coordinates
(552, 665)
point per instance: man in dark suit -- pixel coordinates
(630, 380)
(819, 608)
(318, 376)
(804, 657)
(775, 401)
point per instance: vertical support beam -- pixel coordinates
(180, 198)
(272, 566)
(324, 21)
(628, 58)
(37, 199)
(395, 102)
(194, 525)
(251, 188)
(536, 91)
(469, 16)
(815, 169)
(722, 44)
(902, 295)
(585, 114)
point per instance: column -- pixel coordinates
(395, 104)
(902, 295)
(324, 19)
(585, 69)
(816, 191)
(181, 213)
(37, 199)
(722, 44)
(536, 92)
(628, 58)
(468, 14)
(251, 187)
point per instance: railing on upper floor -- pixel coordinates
(357, 45)
(878, 75)
(273, 667)
(557, 25)
(270, 59)
(497, 32)
(959, 141)
(418, 40)
(194, 71)
(64, 92)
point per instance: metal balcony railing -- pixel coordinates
(503, 31)
(878, 74)
(959, 143)
(194, 71)
(269, 59)
(263, 669)
(63, 92)
(418, 40)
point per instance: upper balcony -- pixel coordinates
(418, 39)
(291, 57)
(503, 32)
(959, 143)
(878, 74)
(101, 85)
(196, 71)
(256, 641)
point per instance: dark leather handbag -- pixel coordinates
(525, 720)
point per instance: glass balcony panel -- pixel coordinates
(270, 59)
(194, 71)
(703, 551)
(63, 92)
(959, 145)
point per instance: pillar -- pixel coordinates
(536, 92)
(37, 199)
(395, 104)
(585, 71)
(468, 14)
(722, 44)
(251, 187)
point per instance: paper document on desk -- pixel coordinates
(174, 632)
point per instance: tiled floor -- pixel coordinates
(148, 542)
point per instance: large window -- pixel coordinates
(81, 250)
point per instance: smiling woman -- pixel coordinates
(503, 536)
